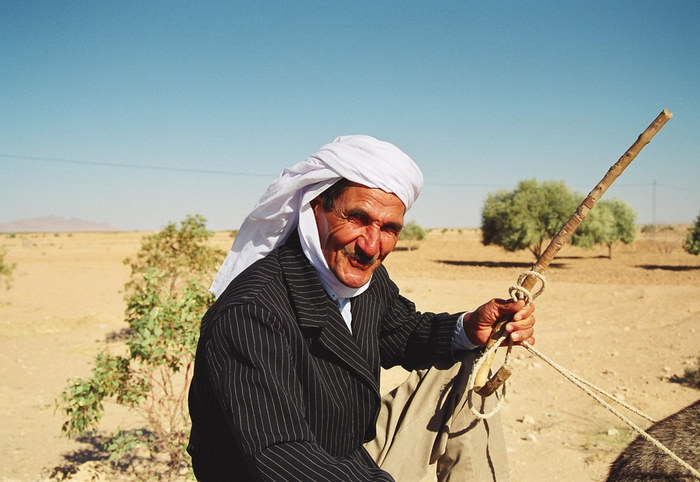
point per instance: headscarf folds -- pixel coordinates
(358, 158)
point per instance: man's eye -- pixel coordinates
(359, 219)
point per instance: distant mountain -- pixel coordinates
(52, 224)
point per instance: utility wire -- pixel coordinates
(134, 166)
(184, 169)
(260, 174)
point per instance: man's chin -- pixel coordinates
(357, 279)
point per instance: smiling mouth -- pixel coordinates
(360, 260)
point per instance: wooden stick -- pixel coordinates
(565, 233)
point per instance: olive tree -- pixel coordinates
(607, 223)
(527, 216)
(534, 212)
(166, 297)
(691, 244)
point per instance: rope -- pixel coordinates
(584, 385)
(518, 292)
(472, 376)
(588, 387)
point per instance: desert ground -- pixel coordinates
(629, 324)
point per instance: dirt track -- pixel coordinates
(629, 324)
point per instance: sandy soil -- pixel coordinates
(628, 324)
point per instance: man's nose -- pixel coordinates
(369, 241)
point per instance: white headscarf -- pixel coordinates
(285, 204)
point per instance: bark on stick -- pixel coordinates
(569, 227)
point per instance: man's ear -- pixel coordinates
(316, 203)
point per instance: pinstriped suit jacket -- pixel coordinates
(282, 390)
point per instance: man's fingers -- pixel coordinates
(523, 324)
(530, 340)
(522, 329)
(522, 310)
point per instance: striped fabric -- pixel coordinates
(282, 390)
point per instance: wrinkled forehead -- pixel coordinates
(352, 190)
(374, 195)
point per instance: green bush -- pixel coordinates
(534, 212)
(6, 269)
(691, 376)
(411, 232)
(527, 216)
(607, 223)
(691, 244)
(166, 297)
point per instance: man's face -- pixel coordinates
(359, 232)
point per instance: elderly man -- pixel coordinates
(286, 383)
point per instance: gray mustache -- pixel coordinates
(361, 257)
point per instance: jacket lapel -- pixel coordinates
(316, 312)
(365, 329)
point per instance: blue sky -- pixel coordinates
(138, 113)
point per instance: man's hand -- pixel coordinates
(478, 325)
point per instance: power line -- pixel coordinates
(134, 166)
(267, 175)
(191, 170)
